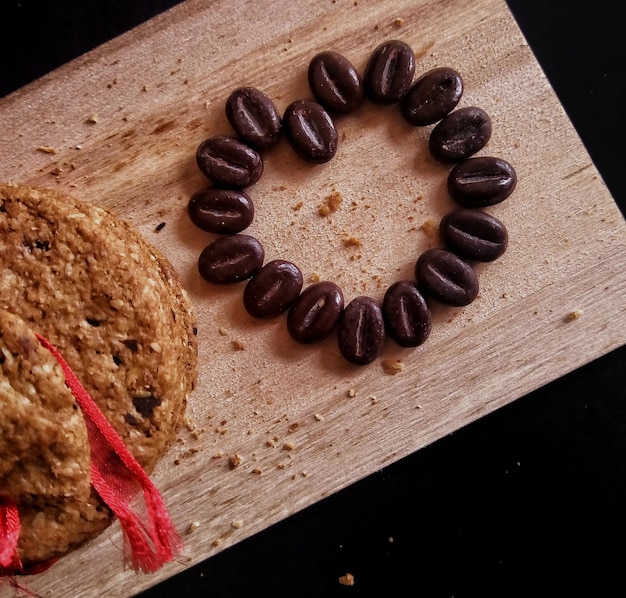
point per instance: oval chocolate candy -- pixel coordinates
(311, 131)
(272, 291)
(254, 117)
(482, 181)
(361, 331)
(407, 316)
(229, 162)
(315, 313)
(460, 134)
(389, 72)
(335, 83)
(231, 259)
(435, 94)
(446, 278)
(221, 211)
(474, 235)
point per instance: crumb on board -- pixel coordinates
(192, 527)
(351, 393)
(573, 315)
(330, 204)
(347, 579)
(289, 446)
(222, 331)
(392, 366)
(352, 241)
(238, 345)
(46, 149)
(159, 227)
(398, 21)
(431, 229)
(92, 119)
(257, 471)
(319, 417)
(234, 461)
(237, 524)
(315, 277)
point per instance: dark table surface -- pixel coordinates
(528, 501)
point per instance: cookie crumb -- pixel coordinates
(289, 446)
(351, 393)
(192, 527)
(347, 579)
(92, 119)
(257, 471)
(573, 315)
(234, 461)
(331, 203)
(238, 345)
(431, 229)
(392, 366)
(352, 242)
(318, 417)
(46, 149)
(237, 524)
(315, 277)
(222, 331)
(398, 22)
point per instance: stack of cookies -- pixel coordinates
(116, 311)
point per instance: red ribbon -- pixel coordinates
(150, 539)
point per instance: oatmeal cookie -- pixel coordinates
(115, 309)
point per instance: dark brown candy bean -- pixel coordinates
(482, 181)
(272, 291)
(221, 211)
(406, 314)
(361, 331)
(460, 134)
(315, 313)
(389, 72)
(446, 277)
(254, 117)
(231, 259)
(335, 83)
(311, 131)
(474, 235)
(229, 162)
(432, 96)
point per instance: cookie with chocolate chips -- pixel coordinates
(116, 310)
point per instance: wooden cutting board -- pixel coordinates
(119, 127)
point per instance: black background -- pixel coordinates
(529, 501)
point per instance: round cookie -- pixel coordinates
(116, 310)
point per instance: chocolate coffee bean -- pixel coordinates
(446, 277)
(229, 162)
(311, 131)
(272, 291)
(474, 235)
(482, 181)
(335, 83)
(460, 134)
(361, 331)
(254, 117)
(406, 314)
(221, 211)
(389, 72)
(435, 94)
(315, 313)
(231, 259)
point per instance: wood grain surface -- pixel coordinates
(119, 127)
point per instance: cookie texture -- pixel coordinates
(115, 309)
(43, 439)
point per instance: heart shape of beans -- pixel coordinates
(445, 275)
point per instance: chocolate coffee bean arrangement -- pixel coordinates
(445, 275)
